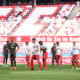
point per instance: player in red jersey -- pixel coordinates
(28, 54)
(35, 52)
(45, 54)
(58, 54)
(75, 57)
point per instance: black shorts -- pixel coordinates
(12, 56)
(53, 57)
(5, 55)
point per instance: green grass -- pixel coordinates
(52, 73)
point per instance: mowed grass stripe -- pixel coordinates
(21, 73)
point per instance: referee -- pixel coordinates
(13, 47)
(53, 51)
(5, 54)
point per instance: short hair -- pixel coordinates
(57, 43)
(40, 41)
(12, 37)
(54, 43)
(26, 42)
(74, 42)
(34, 39)
(7, 41)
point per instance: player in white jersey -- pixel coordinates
(75, 57)
(58, 54)
(28, 51)
(43, 49)
(35, 52)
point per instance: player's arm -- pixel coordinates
(29, 51)
(37, 49)
(8, 50)
(17, 47)
(71, 52)
(52, 51)
(3, 51)
(45, 48)
(61, 51)
(79, 52)
(41, 50)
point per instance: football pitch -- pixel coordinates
(52, 73)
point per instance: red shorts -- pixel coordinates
(58, 57)
(75, 57)
(45, 55)
(35, 57)
(27, 57)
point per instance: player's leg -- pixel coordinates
(14, 60)
(15, 63)
(28, 63)
(52, 61)
(28, 60)
(11, 58)
(61, 61)
(6, 58)
(57, 57)
(3, 61)
(32, 65)
(38, 59)
(43, 61)
(73, 63)
(45, 64)
(45, 58)
(77, 57)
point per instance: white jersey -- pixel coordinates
(58, 50)
(35, 46)
(42, 47)
(75, 50)
(27, 49)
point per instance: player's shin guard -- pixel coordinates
(32, 66)
(45, 64)
(52, 62)
(14, 63)
(58, 63)
(11, 63)
(28, 63)
(61, 63)
(4, 60)
(40, 65)
(77, 64)
(73, 63)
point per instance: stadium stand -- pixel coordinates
(34, 15)
(58, 21)
(12, 18)
(42, 20)
(71, 26)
